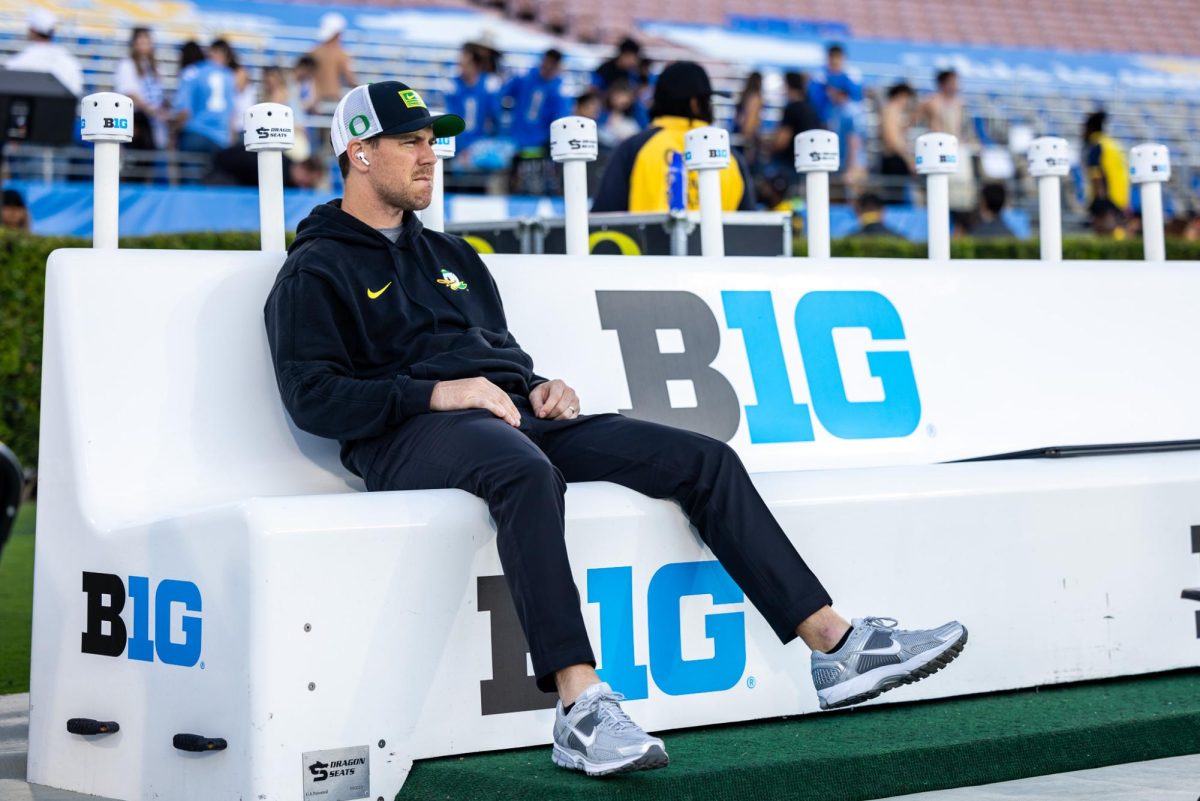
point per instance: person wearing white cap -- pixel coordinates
(333, 62)
(392, 339)
(43, 55)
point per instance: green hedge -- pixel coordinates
(22, 291)
(22, 285)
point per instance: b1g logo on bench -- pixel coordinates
(107, 634)
(819, 317)
(511, 689)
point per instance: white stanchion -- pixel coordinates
(107, 122)
(937, 159)
(817, 155)
(1150, 168)
(706, 151)
(573, 143)
(1049, 163)
(434, 216)
(270, 130)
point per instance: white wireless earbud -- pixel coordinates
(362, 157)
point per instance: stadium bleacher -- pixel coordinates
(421, 44)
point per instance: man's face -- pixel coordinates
(836, 62)
(628, 61)
(401, 171)
(950, 87)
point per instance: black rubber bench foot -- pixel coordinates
(89, 727)
(197, 743)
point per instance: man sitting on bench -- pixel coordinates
(392, 340)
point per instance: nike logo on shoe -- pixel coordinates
(585, 739)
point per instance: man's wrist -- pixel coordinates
(416, 396)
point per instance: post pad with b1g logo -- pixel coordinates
(337, 774)
(106, 117)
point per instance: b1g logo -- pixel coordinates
(511, 689)
(107, 634)
(638, 316)
(120, 123)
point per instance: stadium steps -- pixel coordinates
(868, 753)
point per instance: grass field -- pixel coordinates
(16, 604)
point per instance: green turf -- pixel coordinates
(16, 603)
(866, 753)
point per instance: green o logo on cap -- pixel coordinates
(358, 124)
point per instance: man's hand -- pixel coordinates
(554, 400)
(474, 393)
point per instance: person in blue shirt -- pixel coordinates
(475, 98)
(204, 102)
(834, 71)
(537, 100)
(845, 118)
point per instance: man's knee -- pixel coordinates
(713, 454)
(527, 471)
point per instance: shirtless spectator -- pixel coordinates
(333, 62)
(943, 111)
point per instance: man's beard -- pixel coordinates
(413, 197)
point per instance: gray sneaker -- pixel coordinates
(879, 657)
(597, 737)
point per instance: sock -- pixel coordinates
(842, 641)
(568, 708)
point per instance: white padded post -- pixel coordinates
(937, 159)
(270, 130)
(1150, 168)
(706, 150)
(107, 122)
(434, 217)
(1049, 164)
(817, 155)
(573, 143)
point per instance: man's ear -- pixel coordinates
(360, 159)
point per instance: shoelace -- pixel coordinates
(608, 707)
(882, 622)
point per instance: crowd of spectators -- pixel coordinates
(508, 114)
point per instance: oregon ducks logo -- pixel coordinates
(358, 124)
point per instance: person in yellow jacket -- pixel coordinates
(1107, 168)
(636, 176)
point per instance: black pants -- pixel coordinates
(522, 475)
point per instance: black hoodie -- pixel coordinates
(361, 329)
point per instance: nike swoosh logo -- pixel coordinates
(373, 295)
(894, 648)
(586, 740)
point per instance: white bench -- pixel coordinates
(272, 603)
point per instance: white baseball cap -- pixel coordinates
(332, 24)
(42, 21)
(387, 107)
